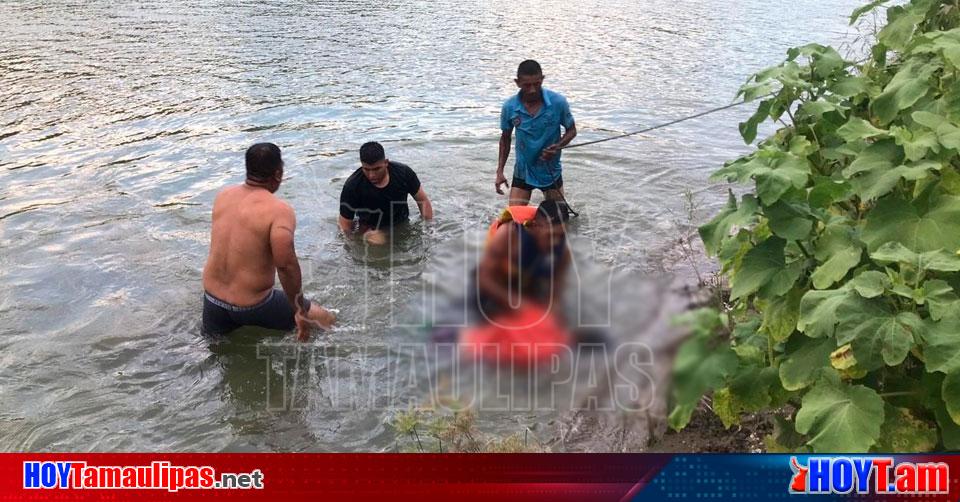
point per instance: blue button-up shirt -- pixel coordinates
(534, 133)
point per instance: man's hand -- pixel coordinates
(501, 180)
(317, 317)
(550, 151)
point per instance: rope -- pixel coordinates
(665, 124)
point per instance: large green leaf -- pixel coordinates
(818, 310)
(788, 171)
(949, 430)
(902, 432)
(870, 284)
(944, 43)
(759, 266)
(915, 142)
(838, 252)
(875, 157)
(731, 216)
(866, 8)
(848, 86)
(940, 298)
(876, 183)
(781, 315)
(733, 250)
(942, 351)
(856, 129)
(783, 281)
(788, 220)
(900, 26)
(805, 358)
(818, 108)
(918, 226)
(875, 332)
(699, 367)
(774, 171)
(836, 267)
(872, 174)
(836, 237)
(905, 88)
(826, 191)
(784, 438)
(951, 395)
(939, 260)
(947, 134)
(824, 60)
(839, 417)
(748, 129)
(748, 392)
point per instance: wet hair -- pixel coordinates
(554, 211)
(371, 153)
(263, 161)
(529, 67)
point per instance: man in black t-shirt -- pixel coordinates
(376, 195)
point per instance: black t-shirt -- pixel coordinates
(360, 198)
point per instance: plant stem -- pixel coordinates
(770, 349)
(417, 436)
(897, 394)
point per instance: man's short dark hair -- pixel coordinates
(529, 67)
(372, 152)
(555, 211)
(263, 161)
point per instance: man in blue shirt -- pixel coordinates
(537, 115)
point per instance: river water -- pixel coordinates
(120, 121)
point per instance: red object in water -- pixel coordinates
(519, 337)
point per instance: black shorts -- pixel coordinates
(523, 185)
(274, 312)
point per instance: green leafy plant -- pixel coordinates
(844, 263)
(427, 429)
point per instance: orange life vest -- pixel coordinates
(519, 214)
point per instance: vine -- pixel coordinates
(844, 262)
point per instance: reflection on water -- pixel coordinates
(118, 124)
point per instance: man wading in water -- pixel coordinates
(376, 194)
(537, 114)
(251, 242)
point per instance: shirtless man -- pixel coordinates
(251, 242)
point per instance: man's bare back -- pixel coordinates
(240, 268)
(251, 242)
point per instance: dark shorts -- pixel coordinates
(523, 185)
(274, 312)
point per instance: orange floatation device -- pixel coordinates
(520, 336)
(518, 214)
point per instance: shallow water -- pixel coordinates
(118, 124)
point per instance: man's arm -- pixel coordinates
(346, 226)
(423, 203)
(505, 137)
(492, 280)
(284, 254)
(568, 135)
